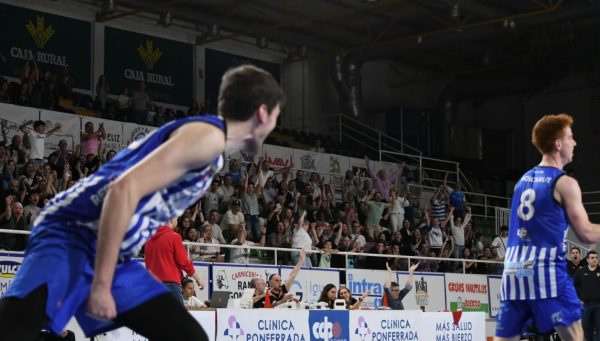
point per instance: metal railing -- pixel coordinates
(275, 251)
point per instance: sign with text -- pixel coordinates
(467, 292)
(495, 285)
(427, 291)
(166, 66)
(369, 325)
(53, 42)
(9, 265)
(451, 326)
(266, 324)
(309, 282)
(237, 278)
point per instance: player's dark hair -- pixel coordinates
(244, 89)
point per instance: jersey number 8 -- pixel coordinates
(527, 198)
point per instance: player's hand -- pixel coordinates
(101, 305)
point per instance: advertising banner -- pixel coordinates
(9, 265)
(329, 325)
(427, 291)
(266, 324)
(309, 282)
(166, 66)
(202, 270)
(278, 157)
(133, 132)
(467, 292)
(361, 280)
(307, 161)
(369, 325)
(13, 116)
(53, 42)
(450, 326)
(495, 285)
(237, 278)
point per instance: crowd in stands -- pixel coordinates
(254, 205)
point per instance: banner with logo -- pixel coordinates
(361, 280)
(216, 63)
(467, 292)
(237, 278)
(495, 285)
(206, 318)
(278, 157)
(13, 116)
(114, 132)
(9, 265)
(307, 161)
(309, 282)
(266, 324)
(427, 291)
(372, 325)
(133, 132)
(69, 131)
(331, 325)
(53, 42)
(450, 326)
(166, 66)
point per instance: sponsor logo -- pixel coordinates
(222, 281)
(40, 32)
(421, 294)
(329, 325)
(8, 269)
(234, 330)
(363, 329)
(308, 162)
(149, 55)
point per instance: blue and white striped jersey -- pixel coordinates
(76, 211)
(534, 265)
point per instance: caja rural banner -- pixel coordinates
(309, 282)
(166, 66)
(467, 292)
(53, 42)
(427, 291)
(266, 324)
(236, 279)
(9, 265)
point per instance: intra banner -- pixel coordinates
(53, 42)
(166, 66)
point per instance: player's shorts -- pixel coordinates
(67, 272)
(561, 311)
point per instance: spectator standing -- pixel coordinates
(241, 255)
(587, 285)
(37, 137)
(576, 262)
(382, 183)
(457, 226)
(91, 140)
(166, 258)
(217, 232)
(499, 245)
(399, 202)
(140, 104)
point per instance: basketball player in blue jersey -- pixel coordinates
(78, 259)
(535, 283)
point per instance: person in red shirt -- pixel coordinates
(166, 258)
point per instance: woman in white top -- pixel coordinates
(190, 301)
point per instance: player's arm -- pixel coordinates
(568, 193)
(157, 170)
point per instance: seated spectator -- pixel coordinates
(351, 302)
(358, 239)
(328, 295)
(232, 219)
(192, 235)
(486, 268)
(241, 255)
(470, 267)
(13, 219)
(258, 298)
(281, 237)
(190, 301)
(209, 252)
(397, 263)
(278, 293)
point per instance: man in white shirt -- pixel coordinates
(232, 219)
(240, 255)
(37, 137)
(217, 232)
(499, 244)
(458, 231)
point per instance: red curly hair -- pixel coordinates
(549, 129)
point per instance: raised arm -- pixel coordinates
(23, 127)
(54, 129)
(290, 281)
(368, 163)
(411, 276)
(157, 170)
(388, 278)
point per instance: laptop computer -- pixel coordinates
(219, 299)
